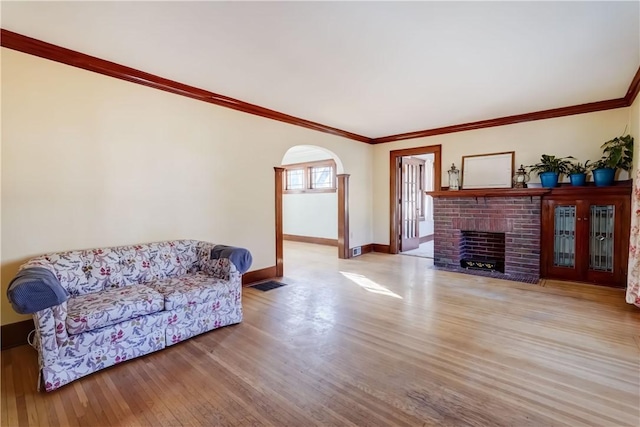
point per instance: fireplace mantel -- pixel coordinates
(492, 192)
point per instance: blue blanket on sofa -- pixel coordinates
(34, 289)
(240, 257)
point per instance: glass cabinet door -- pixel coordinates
(564, 239)
(586, 238)
(601, 237)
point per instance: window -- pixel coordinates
(321, 177)
(295, 179)
(311, 177)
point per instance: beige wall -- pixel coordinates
(91, 161)
(580, 136)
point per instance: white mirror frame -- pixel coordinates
(493, 170)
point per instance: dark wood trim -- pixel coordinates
(279, 183)
(501, 121)
(45, 50)
(377, 247)
(366, 249)
(314, 240)
(343, 216)
(251, 277)
(394, 190)
(425, 239)
(620, 187)
(492, 192)
(15, 334)
(634, 88)
(572, 193)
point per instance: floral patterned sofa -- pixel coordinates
(129, 301)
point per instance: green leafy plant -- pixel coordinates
(578, 168)
(559, 165)
(617, 154)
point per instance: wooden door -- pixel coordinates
(410, 203)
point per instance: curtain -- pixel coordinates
(633, 286)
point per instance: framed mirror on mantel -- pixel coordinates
(483, 171)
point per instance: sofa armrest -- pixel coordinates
(240, 257)
(51, 332)
(221, 268)
(35, 289)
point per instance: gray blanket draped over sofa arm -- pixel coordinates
(240, 257)
(34, 289)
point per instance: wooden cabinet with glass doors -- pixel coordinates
(585, 234)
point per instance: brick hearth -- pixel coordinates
(517, 217)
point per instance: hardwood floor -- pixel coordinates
(376, 340)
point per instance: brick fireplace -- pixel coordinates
(508, 223)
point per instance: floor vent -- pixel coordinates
(267, 286)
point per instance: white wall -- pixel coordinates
(91, 161)
(309, 214)
(579, 135)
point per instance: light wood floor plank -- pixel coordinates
(375, 340)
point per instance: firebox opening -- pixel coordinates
(482, 251)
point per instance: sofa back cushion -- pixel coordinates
(93, 270)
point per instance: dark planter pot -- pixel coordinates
(549, 179)
(578, 179)
(603, 177)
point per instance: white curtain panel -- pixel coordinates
(633, 287)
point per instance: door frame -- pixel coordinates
(342, 191)
(394, 190)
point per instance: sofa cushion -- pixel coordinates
(190, 289)
(122, 335)
(92, 311)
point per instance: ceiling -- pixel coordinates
(371, 68)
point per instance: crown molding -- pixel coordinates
(501, 121)
(45, 50)
(634, 88)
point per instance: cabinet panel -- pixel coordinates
(601, 237)
(609, 225)
(564, 236)
(562, 251)
(585, 236)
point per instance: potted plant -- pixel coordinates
(617, 154)
(550, 168)
(578, 173)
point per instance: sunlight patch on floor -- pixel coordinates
(369, 285)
